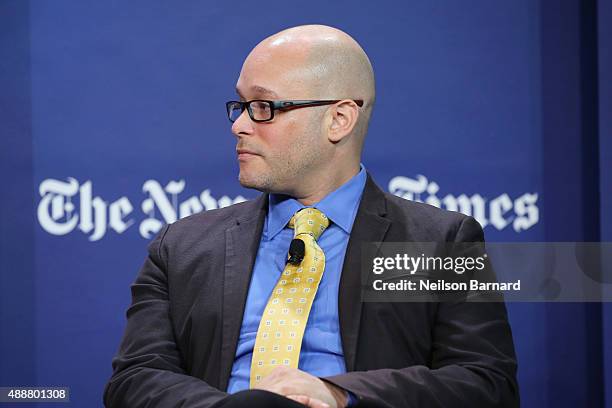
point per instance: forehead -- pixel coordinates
(274, 71)
(259, 91)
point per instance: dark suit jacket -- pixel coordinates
(188, 303)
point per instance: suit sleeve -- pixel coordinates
(473, 363)
(148, 370)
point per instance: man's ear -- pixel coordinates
(344, 116)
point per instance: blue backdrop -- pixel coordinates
(112, 123)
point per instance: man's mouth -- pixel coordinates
(245, 153)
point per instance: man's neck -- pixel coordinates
(318, 192)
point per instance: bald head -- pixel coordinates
(323, 60)
(333, 62)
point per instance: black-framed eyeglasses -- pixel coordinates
(262, 110)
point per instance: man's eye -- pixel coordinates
(260, 106)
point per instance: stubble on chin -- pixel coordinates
(264, 178)
(283, 173)
(259, 182)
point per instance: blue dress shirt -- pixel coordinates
(321, 354)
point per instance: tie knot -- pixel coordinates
(309, 221)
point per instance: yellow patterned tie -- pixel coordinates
(281, 329)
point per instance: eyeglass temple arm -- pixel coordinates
(295, 104)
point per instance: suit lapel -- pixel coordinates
(241, 245)
(369, 226)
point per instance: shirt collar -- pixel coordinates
(340, 206)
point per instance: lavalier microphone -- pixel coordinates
(297, 249)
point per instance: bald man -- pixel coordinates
(204, 303)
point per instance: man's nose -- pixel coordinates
(243, 125)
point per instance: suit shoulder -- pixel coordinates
(214, 221)
(429, 221)
(220, 214)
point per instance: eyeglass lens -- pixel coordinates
(258, 110)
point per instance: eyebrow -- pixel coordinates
(260, 90)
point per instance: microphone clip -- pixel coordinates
(297, 250)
